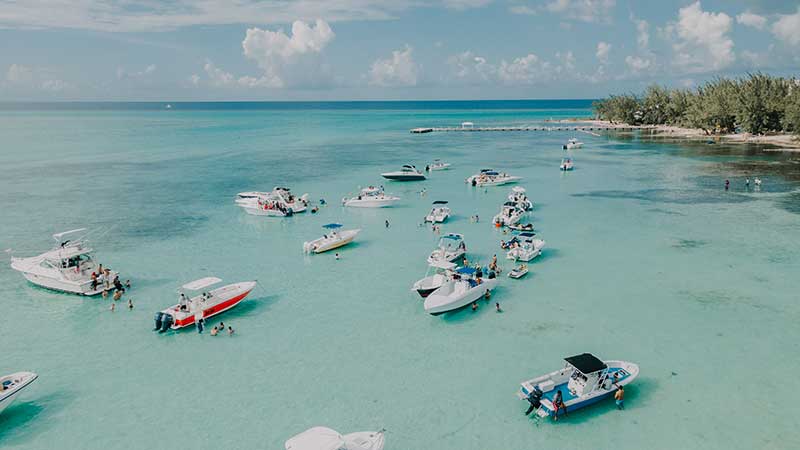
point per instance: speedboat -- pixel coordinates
(519, 271)
(567, 164)
(68, 267)
(509, 214)
(489, 177)
(464, 288)
(334, 238)
(439, 213)
(584, 380)
(324, 438)
(572, 144)
(451, 247)
(519, 197)
(12, 385)
(201, 305)
(370, 197)
(443, 271)
(407, 173)
(527, 248)
(521, 227)
(437, 164)
(280, 202)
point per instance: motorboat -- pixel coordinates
(451, 247)
(442, 272)
(567, 164)
(437, 164)
(439, 213)
(68, 267)
(334, 238)
(12, 385)
(464, 288)
(370, 197)
(324, 438)
(509, 214)
(279, 202)
(520, 197)
(519, 271)
(406, 173)
(489, 177)
(527, 247)
(584, 380)
(521, 227)
(201, 304)
(573, 144)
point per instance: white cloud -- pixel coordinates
(603, 48)
(703, 43)
(18, 73)
(123, 74)
(583, 10)
(523, 10)
(637, 64)
(27, 79)
(195, 79)
(54, 85)
(752, 20)
(787, 28)
(398, 70)
(642, 32)
(469, 67)
(465, 4)
(217, 76)
(524, 70)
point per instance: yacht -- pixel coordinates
(334, 238)
(12, 385)
(519, 196)
(510, 214)
(584, 380)
(437, 164)
(68, 267)
(464, 288)
(323, 438)
(201, 305)
(567, 164)
(407, 173)
(279, 202)
(489, 177)
(439, 213)
(451, 247)
(527, 247)
(442, 272)
(573, 144)
(370, 197)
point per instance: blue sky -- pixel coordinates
(375, 49)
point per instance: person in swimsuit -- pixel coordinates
(619, 397)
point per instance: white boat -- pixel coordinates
(567, 164)
(519, 271)
(437, 164)
(489, 177)
(573, 144)
(451, 247)
(197, 304)
(510, 214)
(280, 202)
(463, 289)
(442, 272)
(527, 248)
(584, 380)
(370, 197)
(407, 173)
(68, 267)
(521, 227)
(439, 213)
(12, 385)
(334, 238)
(520, 197)
(324, 438)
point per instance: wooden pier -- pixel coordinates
(473, 129)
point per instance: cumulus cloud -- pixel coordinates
(583, 10)
(465, 4)
(218, 77)
(123, 74)
(397, 70)
(469, 67)
(751, 20)
(523, 9)
(642, 32)
(787, 28)
(17, 73)
(30, 79)
(603, 48)
(637, 64)
(528, 69)
(703, 43)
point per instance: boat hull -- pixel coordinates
(238, 292)
(372, 203)
(398, 177)
(10, 395)
(318, 246)
(437, 304)
(68, 287)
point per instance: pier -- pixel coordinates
(474, 129)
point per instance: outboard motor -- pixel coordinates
(166, 322)
(159, 318)
(565, 147)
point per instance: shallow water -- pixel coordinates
(648, 259)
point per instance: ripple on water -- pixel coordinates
(688, 243)
(677, 196)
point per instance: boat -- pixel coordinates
(520, 197)
(279, 202)
(527, 248)
(197, 304)
(489, 177)
(451, 247)
(407, 173)
(437, 164)
(12, 385)
(567, 164)
(370, 197)
(584, 380)
(573, 144)
(324, 438)
(519, 271)
(442, 272)
(439, 213)
(334, 238)
(509, 214)
(68, 267)
(464, 288)
(521, 227)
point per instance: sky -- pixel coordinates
(210, 50)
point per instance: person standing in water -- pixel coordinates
(619, 397)
(387, 223)
(727, 184)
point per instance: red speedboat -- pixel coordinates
(203, 304)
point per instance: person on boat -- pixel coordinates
(535, 397)
(619, 397)
(182, 301)
(478, 271)
(94, 281)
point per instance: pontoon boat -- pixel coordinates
(439, 213)
(334, 238)
(323, 438)
(12, 385)
(407, 173)
(451, 247)
(203, 305)
(465, 287)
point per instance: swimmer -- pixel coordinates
(487, 295)
(497, 307)
(113, 307)
(117, 295)
(337, 257)
(474, 306)
(130, 304)
(214, 331)
(230, 331)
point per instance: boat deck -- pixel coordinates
(566, 395)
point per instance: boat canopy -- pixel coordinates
(58, 236)
(491, 172)
(439, 264)
(527, 234)
(465, 270)
(440, 202)
(317, 438)
(487, 170)
(332, 226)
(586, 363)
(278, 188)
(409, 166)
(454, 236)
(509, 204)
(196, 285)
(518, 189)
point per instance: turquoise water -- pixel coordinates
(647, 260)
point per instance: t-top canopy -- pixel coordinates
(586, 363)
(439, 264)
(196, 285)
(509, 204)
(527, 234)
(487, 170)
(491, 172)
(466, 270)
(332, 226)
(440, 202)
(58, 236)
(454, 236)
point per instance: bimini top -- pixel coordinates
(509, 204)
(466, 270)
(454, 236)
(196, 285)
(439, 264)
(487, 170)
(409, 166)
(527, 234)
(332, 226)
(490, 172)
(440, 202)
(586, 363)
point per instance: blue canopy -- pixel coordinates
(527, 234)
(491, 173)
(466, 270)
(440, 202)
(453, 236)
(332, 225)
